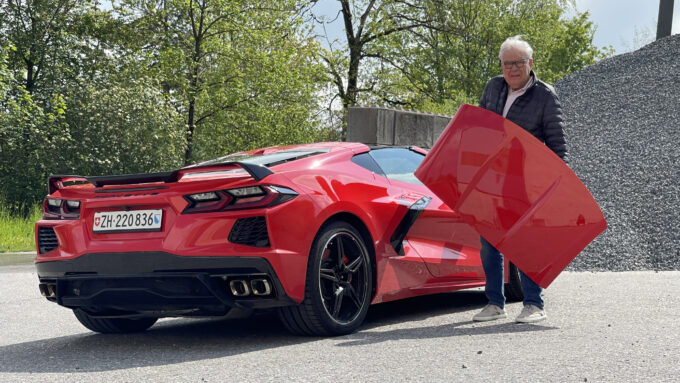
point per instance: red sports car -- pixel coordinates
(318, 232)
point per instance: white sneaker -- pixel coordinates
(531, 314)
(490, 312)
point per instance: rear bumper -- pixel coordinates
(160, 284)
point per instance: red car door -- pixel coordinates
(443, 240)
(513, 191)
(446, 243)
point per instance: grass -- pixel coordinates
(16, 232)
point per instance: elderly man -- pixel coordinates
(521, 97)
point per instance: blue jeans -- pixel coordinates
(492, 261)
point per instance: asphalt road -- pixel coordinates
(602, 327)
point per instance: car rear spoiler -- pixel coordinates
(55, 182)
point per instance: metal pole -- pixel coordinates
(665, 22)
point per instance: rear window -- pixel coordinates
(398, 163)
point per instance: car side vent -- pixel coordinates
(47, 239)
(250, 231)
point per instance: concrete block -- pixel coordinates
(414, 129)
(370, 125)
(383, 126)
(440, 123)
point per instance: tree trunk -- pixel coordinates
(190, 132)
(30, 80)
(350, 98)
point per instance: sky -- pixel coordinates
(619, 21)
(625, 25)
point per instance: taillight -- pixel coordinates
(205, 202)
(55, 208)
(249, 197)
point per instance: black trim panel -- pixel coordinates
(148, 262)
(125, 190)
(157, 284)
(397, 238)
(123, 179)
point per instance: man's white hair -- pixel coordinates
(518, 43)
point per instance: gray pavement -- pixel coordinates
(602, 327)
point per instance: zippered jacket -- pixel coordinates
(538, 111)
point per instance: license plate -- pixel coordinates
(126, 221)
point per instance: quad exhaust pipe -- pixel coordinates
(48, 290)
(255, 286)
(260, 286)
(239, 288)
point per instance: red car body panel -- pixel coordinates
(440, 253)
(197, 235)
(512, 190)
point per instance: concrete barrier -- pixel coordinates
(386, 126)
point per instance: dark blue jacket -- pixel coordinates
(538, 111)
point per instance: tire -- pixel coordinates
(513, 289)
(113, 325)
(338, 284)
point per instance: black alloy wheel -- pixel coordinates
(343, 277)
(338, 285)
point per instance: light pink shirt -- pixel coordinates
(512, 95)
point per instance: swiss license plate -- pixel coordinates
(122, 221)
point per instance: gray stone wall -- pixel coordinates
(385, 126)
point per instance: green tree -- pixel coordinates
(31, 139)
(561, 45)
(75, 100)
(434, 55)
(367, 24)
(128, 126)
(459, 53)
(241, 73)
(55, 42)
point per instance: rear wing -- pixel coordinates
(56, 182)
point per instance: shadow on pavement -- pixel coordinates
(168, 342)
(181, 340)
(415, 309)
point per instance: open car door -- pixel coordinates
(514, 191)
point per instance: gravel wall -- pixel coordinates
(623, 128)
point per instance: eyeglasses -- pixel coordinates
(516, 64)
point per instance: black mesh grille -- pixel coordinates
(250, 232)
(47, 239)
